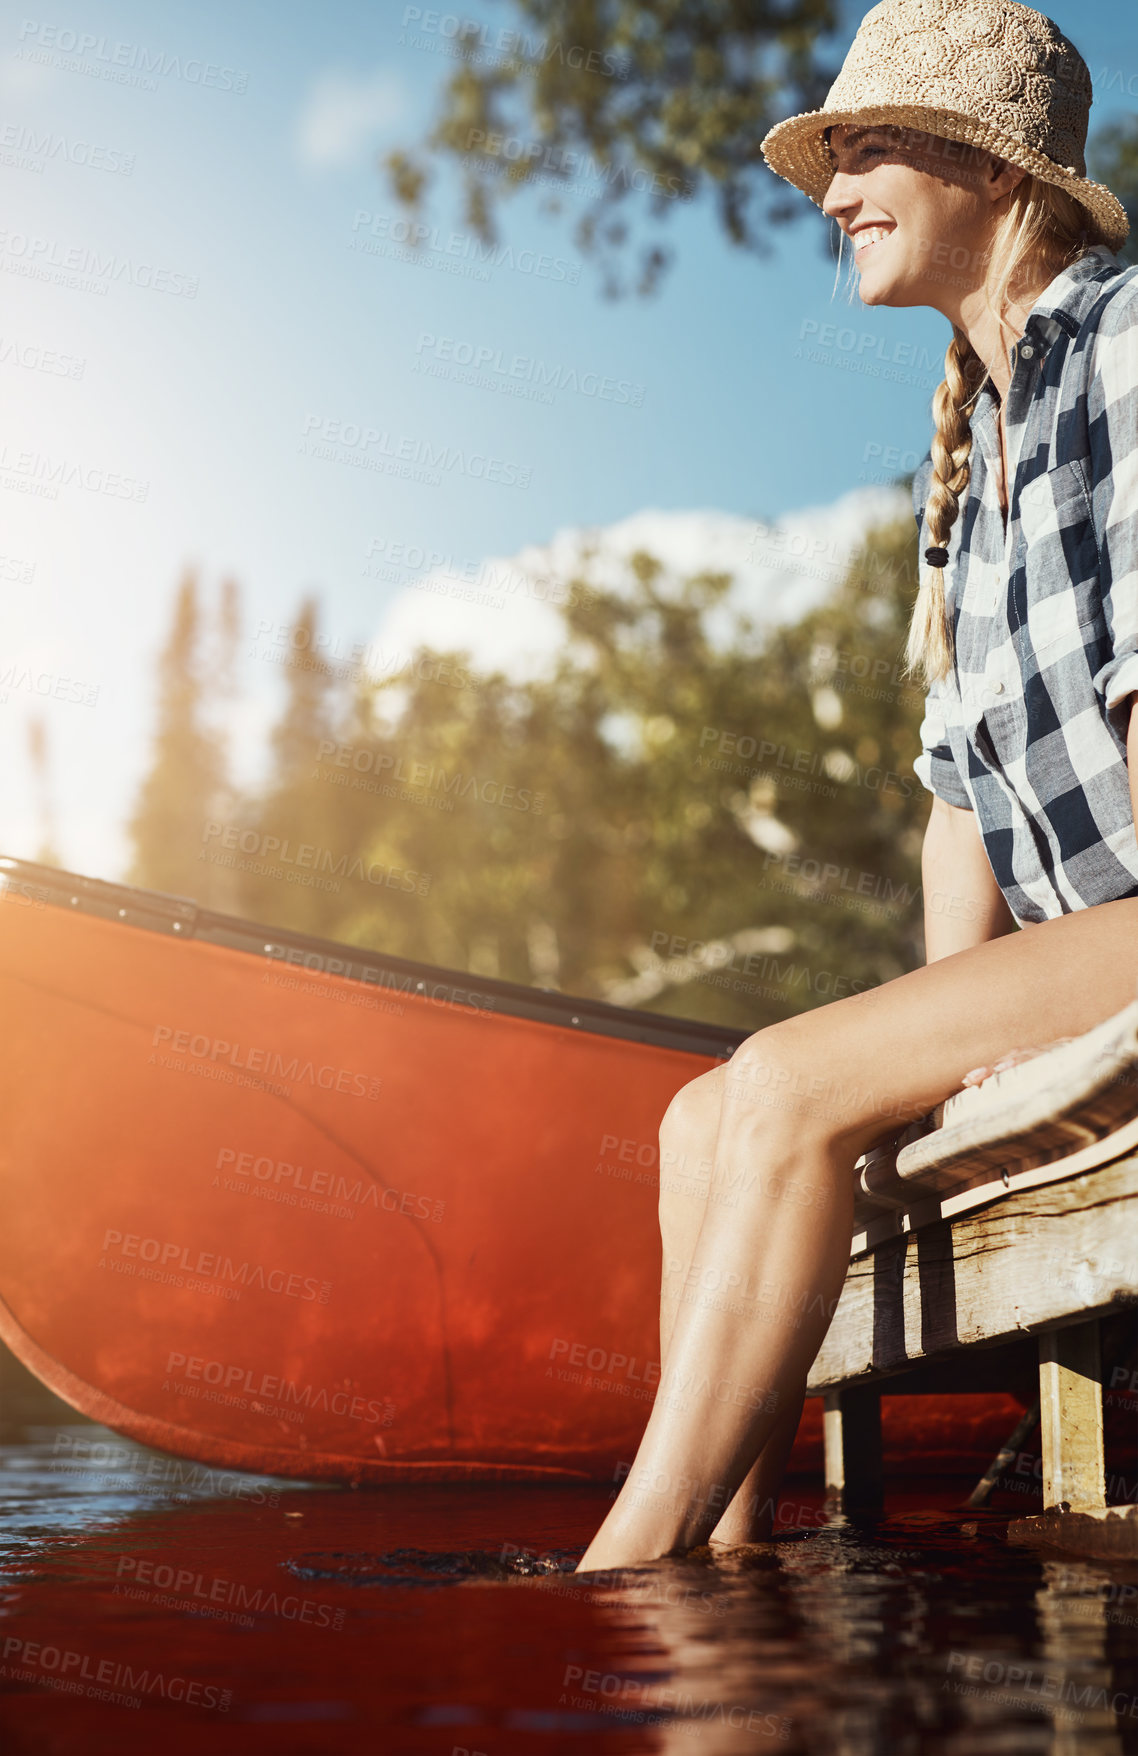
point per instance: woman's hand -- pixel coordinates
(978, 1075)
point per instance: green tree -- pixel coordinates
(659, 101)
(691, 813)
(767, 795)
(723, 829)
(834, 685)
(39, 760)
(292, 811)
(1114, 161)
(188, 783)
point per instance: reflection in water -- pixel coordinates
(1079, 1604)
(847, 1639)
(448, 1619)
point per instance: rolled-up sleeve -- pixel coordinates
(935, 767)
(1112, 412)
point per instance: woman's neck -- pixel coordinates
(992, 342)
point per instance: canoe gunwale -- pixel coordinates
(184, 918)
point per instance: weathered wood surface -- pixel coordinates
(1035, 1258)
(1073, 1107)
(1070, 1418)
(969, 1187)
(1110, 1531)
(1057, 1078)
(851, 1426)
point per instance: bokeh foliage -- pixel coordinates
(724, 825)
(641, 105)
(1113, 160)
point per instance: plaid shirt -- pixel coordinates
(1029, 728)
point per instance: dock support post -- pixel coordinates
(851, 1426)
(1070, 1417)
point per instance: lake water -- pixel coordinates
(154, 1605)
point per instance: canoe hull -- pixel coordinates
(277, 1219)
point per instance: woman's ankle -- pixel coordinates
(750, 1522)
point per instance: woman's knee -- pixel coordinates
(694, 1111)
(777, 1076)
(687, 1143)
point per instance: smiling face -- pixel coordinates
(919, 210)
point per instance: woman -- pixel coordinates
(950, 153)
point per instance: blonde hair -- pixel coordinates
(1045, 229)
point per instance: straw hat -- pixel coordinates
(989, 72)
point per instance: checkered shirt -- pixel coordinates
(1029, 728)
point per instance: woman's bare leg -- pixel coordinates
(688, 1136)
(801, 1101)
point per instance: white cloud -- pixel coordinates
(780, 572)
(344, 113)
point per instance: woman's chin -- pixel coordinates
(883, 283)
(873, 289)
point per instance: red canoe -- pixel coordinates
(279, 1204)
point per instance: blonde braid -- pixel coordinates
(1041, 231)
(930, 637)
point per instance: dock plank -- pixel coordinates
(1035, 1257)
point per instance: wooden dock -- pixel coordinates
(1009, 1260)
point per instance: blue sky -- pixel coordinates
(229, 309)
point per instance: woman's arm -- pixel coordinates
(950, 847)
(964, 906)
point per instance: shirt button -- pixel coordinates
(1027, 351)
(997, 688)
